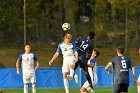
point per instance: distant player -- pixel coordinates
(92, 71)
(70, 56)
(85, 47)
(121, 65)
(28, 61)
(138, 84)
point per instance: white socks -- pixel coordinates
(71, 72)
(138, 89)
(66, 85)
(25, 88)
(33, 88)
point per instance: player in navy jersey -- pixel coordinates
(121, 65)
(84, 46)
(92, 71)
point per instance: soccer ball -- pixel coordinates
(66, 26)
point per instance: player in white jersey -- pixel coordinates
(92, 71)
(28, 61)
(70, 56)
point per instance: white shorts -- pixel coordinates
(139, 78)
(67, 61)
(86, 84)
(29, 78)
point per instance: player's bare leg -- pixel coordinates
(66, 84)
(71, 72)
(89, 79)
(33, 87)
(83, 90)
(75, 75)
(25, 87)
(138, 86)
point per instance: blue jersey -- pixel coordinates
(67, 50)
(84, 45)
(121, 65)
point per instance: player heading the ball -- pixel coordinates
(70, 56)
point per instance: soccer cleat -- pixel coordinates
(76, 78)
(92, 91)
(69, 77)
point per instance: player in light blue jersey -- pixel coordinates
(92, 71)
(70, 56)
(28, 60)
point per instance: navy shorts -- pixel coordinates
(121, 87)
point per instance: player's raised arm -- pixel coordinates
(107, 68)
(53, 58)
(55, 55)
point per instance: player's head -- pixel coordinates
(120, 50)
(67, 38)
(95, 52)
(27, 48)
(91, 35)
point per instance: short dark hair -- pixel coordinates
(91, 34)
(97, 52)
(120, 50)
(27, 44)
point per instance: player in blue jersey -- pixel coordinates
(121, 65)
(85, 47)
(28, 61)
(92, 71)
(70, 56)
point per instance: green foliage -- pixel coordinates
(45, 17)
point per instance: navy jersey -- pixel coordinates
(84, 45)
(121, 65)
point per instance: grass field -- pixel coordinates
(61, 90)
(8, 56)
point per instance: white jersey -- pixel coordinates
(93, 68)
(67, 50)
(27, 62)
(92, 73)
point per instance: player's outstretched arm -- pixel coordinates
(17, 67)
(53, 58)
(37, 65)
(107, 68)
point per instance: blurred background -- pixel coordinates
(38, 22)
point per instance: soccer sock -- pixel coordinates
(33, 88)
(25, 88)
(138, 89)
(89, 80)
(71, 72)
(66, 85)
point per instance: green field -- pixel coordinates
(61, 90)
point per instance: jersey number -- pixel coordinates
(84, 46)
(124, 64)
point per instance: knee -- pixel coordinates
(138, 84)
